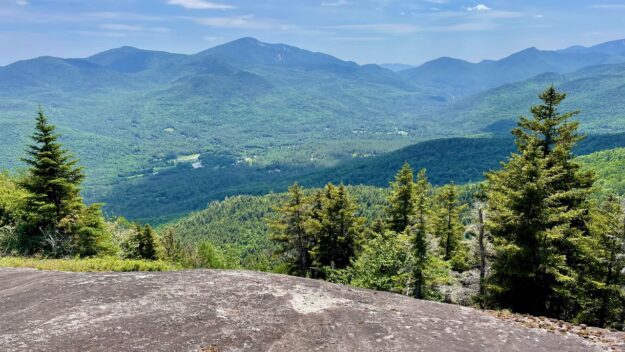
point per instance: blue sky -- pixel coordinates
(365, 31)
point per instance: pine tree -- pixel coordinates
(335, 228)
(419, 232)
(289, 231)
(447, 226)
(401, 200)
(53, 183)
(538, 212)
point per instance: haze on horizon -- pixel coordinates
(368, 31)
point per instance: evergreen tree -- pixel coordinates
(147, 243)
(538, 212)
(419, 230)
(335, 228)
(53, 183)
(481, 240)
(172, 248)
(602, 303)
(401, 201)
(289, 231)
(378, 226)
(447, 226)
(89, 235)
(141, 243)
(383, 264)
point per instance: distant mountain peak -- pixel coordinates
(128, 59)
(251, 51)
(250, 40)
(131, 48)
(613, 47)
(529, 51)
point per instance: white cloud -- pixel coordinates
(200, 4)
(245, 22)
(396, 28)
(609, 6)
(15, 2)
(335, 3)
(213, 39)
(357, 39)
(502, 14)
(391, 28)
(126, 16)
(116, 27)
(100, 34)
(464, 27)
(121, 27)
(479, 8)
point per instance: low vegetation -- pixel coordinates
(88, 264)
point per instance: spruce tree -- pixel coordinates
(147, 243)
(538, 215)
(602, 303)
(89, 235)
(172, 247)
(53, 183)
(418, 232)
(481, 240)
(401, 201)
(378, 226)
(289, 231)
(335, 228)
(446, 223)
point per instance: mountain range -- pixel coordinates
(256, 112)
(459, 78)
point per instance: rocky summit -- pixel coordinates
(214, 310)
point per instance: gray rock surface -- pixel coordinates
(212, 310)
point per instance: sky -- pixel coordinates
(364, 31)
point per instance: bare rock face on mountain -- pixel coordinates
(209, 310)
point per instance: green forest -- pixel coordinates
(154, 127)
(543, 233)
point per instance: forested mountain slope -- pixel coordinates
(608, 165)
(246, 98)
(598, 91)
(270, 102)
(238, 224)
(459, 78)
(180, 189)
(251, 117)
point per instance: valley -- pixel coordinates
(261, 115)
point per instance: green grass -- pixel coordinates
(87, 265)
